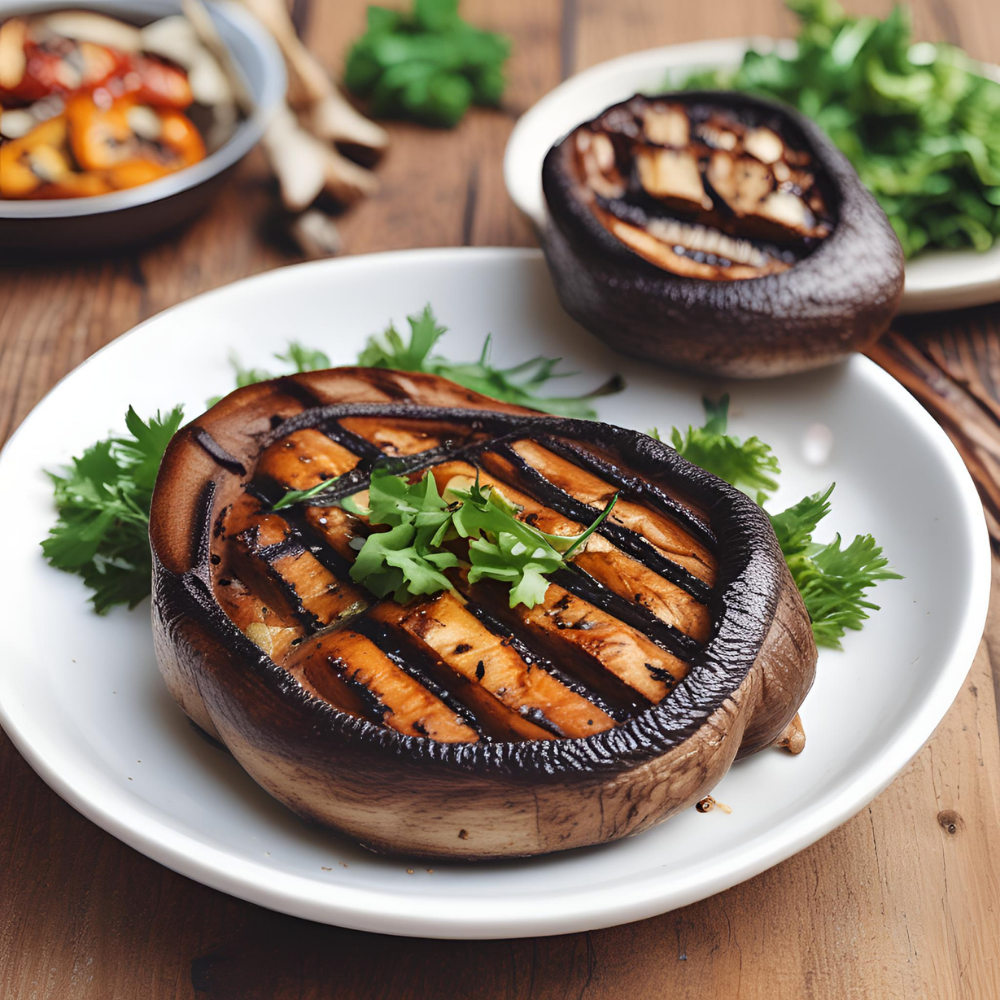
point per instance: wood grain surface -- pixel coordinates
(901, 902)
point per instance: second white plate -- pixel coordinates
(84, 702)
(939, 279)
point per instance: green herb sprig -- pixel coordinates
(300, 357)
(750, 466)
(502, 547)
(519, 384)
(410, 558)
(833, 581)
(920, 124)
(293, 497)
(103, 499)
(427, 65)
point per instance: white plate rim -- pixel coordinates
(937, 280)
(447, 917)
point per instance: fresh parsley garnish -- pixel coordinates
(795, 525)
(502, 547)
(833, 581)
(748, 465)
(304, 359)
(410, 558)
(427, 65)
(917, 121)
(102, 499)
(519, 384)
(300, 357)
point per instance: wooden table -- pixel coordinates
(902, 901)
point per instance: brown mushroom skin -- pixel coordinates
(409, 795)
(837, 300)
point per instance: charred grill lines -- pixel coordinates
(608, 694)
(636, 488)
(557, 499)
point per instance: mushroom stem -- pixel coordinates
(327, 112)
(333, 117)
(305, 166)
(315, 233)
(793, 739)
(13, 61)
(86, 26)
(201, 20)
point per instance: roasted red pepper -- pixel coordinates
(158, 84)
(48, 72)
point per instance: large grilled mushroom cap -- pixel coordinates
(717, 233)
(456, 726)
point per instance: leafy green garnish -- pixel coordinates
(427, 65)
(918, 122)
(794, 526)
(304, 359)
(300, 357)
(748, 465)
(504, 548)
(519, 384)
(833, 581)
(102, 499)
(410, 558)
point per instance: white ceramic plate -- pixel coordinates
(938, 279)
(82, 698)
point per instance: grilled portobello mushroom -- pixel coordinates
(456, 726)
(717, 233)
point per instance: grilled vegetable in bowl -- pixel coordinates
(91, 104)
(717, 233)
(437, 658)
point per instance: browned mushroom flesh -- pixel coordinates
(673, 642)
(703, 191)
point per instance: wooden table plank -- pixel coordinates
(900, 902)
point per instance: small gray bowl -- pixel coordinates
(138, 214)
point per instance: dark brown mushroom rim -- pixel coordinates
(702, 190)
(635, 646)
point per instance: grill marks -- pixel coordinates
(617, 556)
(345, 665)
(651, 498)
(572, 629)
(621, 624)
(601, 561)
(657, 529)
(302, 459)
(538, 705)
